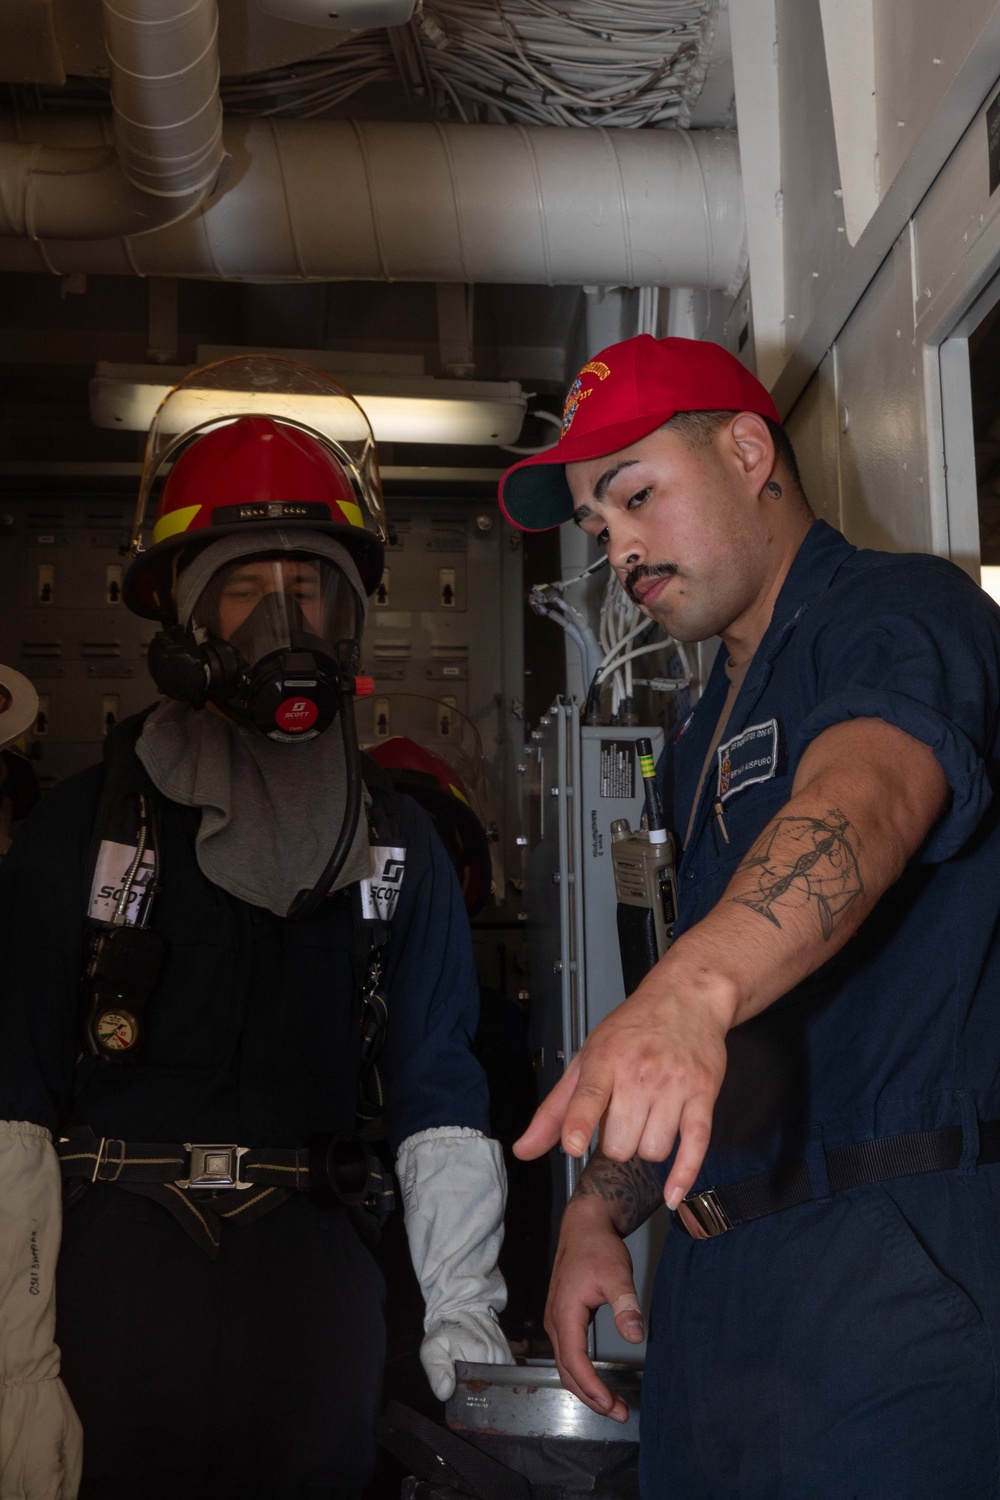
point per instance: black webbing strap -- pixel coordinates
(82, 1154)
(854, 1166)
(434, 1453)
(155, 1170)
(200, 1217)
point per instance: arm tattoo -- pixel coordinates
(631, 1189)
(799, 862)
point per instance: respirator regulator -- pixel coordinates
(280, 638)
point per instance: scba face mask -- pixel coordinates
(290, 626)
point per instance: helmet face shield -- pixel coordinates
(286, 602)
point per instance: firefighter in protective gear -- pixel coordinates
(219, 1317)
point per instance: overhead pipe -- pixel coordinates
(165, 151)
(328, 200)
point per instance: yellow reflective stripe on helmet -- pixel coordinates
(173, 522)
(352, 512)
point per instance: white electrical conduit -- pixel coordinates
(544, 601)
(166, 151)
(612, 666)
(586, 658)
(319, 200)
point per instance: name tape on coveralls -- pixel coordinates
(748, 758)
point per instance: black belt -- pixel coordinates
(217, 1168)
(717, 1210)
(198, 1184)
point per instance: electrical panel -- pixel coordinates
(63, 623)
(575, 781)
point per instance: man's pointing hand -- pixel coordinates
(648, 1076)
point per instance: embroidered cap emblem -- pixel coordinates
(578, 392)
(574, 396)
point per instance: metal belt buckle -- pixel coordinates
(214, 1167)
(103, 1159)
(703, 1216)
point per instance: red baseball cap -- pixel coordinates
(620, 396)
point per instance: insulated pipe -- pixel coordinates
(328, 200)
(166, 152)
(165, 93)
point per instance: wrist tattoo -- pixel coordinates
(803, 862)
(631, 1189)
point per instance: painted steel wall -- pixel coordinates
(869, 424)
(812, 215)
(813, 428)
(919, 47)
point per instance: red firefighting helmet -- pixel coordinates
(234, 471)
(439, 789)
(251, 472)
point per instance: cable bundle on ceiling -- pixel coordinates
(311, 88)
(533, 62)
(579, 62)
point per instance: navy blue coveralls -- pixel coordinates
(256, 1374)
(847, 1349)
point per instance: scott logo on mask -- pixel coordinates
(296, 714)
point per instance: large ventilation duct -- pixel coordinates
(166, 151)
(312, 200)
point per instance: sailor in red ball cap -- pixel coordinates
(825, 1111)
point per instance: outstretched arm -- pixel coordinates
(864, 798)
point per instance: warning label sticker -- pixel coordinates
(617, 768)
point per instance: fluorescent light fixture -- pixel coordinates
(990, 580)
(408, 409)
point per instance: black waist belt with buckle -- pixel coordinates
(198, 1184)
(717, 1210)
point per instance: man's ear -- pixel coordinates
(751, 447)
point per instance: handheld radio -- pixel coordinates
(645, 880)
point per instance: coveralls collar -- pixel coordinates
(821, 555)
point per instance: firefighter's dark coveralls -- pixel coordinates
(255, 1372)
(847, 1348)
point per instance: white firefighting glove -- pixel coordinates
(41, 1441)
(454, 1191)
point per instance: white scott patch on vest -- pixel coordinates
(751, 757)
(380, 892)
(113, 864)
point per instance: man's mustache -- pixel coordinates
(645, 570)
